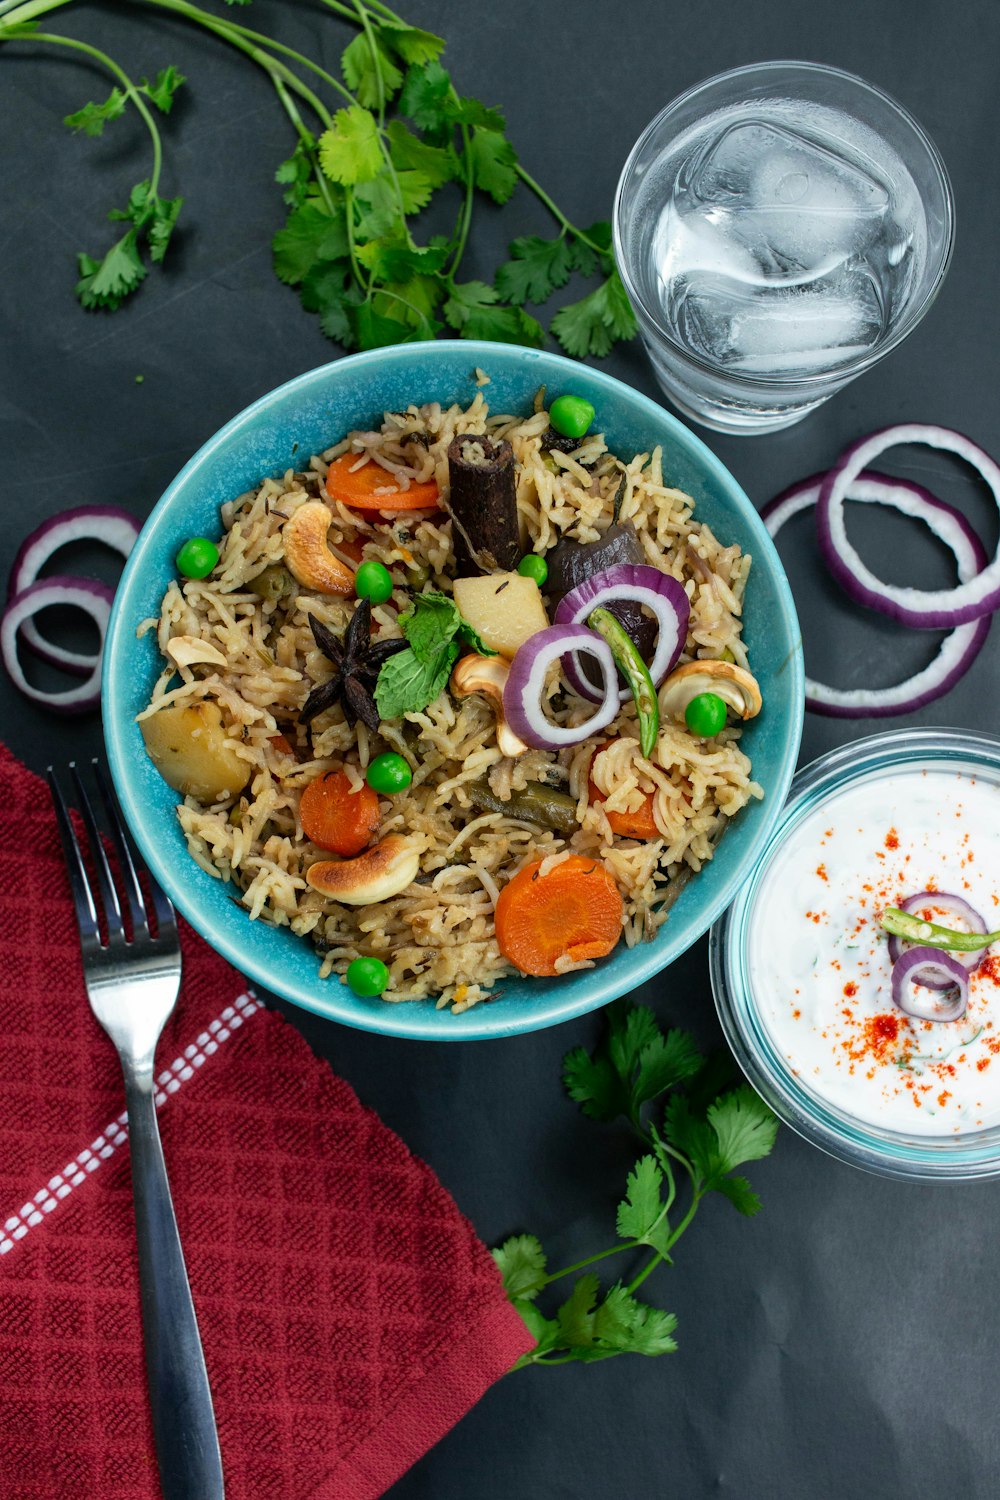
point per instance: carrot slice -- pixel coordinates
(574, 911)
(335, 816)
(639, 824)
(357, 487)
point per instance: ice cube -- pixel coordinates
(767, 328)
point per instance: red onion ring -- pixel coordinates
(522, 694)
(956, 906)
(639, 583)
(936, 971)
(961, 647)
(927, 609)
(84, 523)
(95, 598)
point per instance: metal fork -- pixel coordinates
(133, 978)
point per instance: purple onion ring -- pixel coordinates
(88, 595)
(956, 906)
(927, 609)
(525, 685)
(934, 970)
(639, 583)
(961, 647)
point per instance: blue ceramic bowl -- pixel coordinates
(312, 412)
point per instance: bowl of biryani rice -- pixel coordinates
(452, 690)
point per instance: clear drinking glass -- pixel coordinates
(778, 229)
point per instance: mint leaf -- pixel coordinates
(411, 43)
(430, 624)
(308, 237)
(349, 150)
(493, 160)
(745, 1127)
(406, 685)
(436, 164)
(472, 309)
(92, 118)
(594, 324)
(106, 283)
(363, 72)
(163, 88)
(535, 270)
(521, 1260)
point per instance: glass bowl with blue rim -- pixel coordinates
(753, 1007)
(309, 414)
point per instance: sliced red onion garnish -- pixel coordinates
(522, 694)
(935, 971)
(84, 523)
(928, 609)
(86, 594)
(639, 583)
(961, 647)
(955, 906)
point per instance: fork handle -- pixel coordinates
(187, 1444)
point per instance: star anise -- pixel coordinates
(358, 661)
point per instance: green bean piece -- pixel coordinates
(636, 673)
(535, 803)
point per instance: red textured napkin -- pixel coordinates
(349, 1314)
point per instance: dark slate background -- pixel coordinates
(843, 1343)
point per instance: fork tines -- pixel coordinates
(105, 918)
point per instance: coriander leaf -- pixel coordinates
(163, 88)
(640, 1213)
(522, 1262)
(545, 1330)
(471, 309)
(296, 172)
(396, 260)
(106, 283)
(337, 323)
(632, 1327)
(323, 286)
(411, 43)
(408, 152)
(363, 72)
(374, 329)
(379, 212)
(493, 160)
(309, 237)
(239, 2)
(405, 685)
(664, 1062)
(138, 209)
(349, 150)
(744, 1125)
(426, 97)
(600, 235)
(165, 212)
(630, 1028)
(576, 1315)
(716, 1076)
(92, 118)
(415, 190)
(471, 112)
(597, 321)
(593, 1083)
(536, 269)
(693, 1137)
(740, 1194)
(413, 302)
(431, 622)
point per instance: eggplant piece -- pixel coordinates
(570, 563)
(483, 505)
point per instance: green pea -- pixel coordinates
(705, 715)
(373, 581)
(197, 557)
(389, 773)
(571, 416)
(534, 566)
(367, 976)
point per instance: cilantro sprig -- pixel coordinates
(373, 149)
(697, 1128)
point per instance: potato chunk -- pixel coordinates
(505, 609)
(187, 745)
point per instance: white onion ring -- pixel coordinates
(522, 694)
(95, 598)
(926, 609)
(961, 647)
(84, 523)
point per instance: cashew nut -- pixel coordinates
(384, 870)
(191, 650)
(734, 685)
(488, 675)
(307, 555)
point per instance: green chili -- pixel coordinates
(915, 930)
(632, 667)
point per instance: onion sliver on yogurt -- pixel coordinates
(820, 963)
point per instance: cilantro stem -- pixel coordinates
(128, 86)
(591, 1259)
(366, 27)
(465, 217)
(556, 211)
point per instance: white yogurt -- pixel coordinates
(819, 960)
